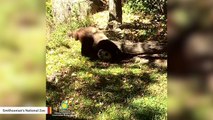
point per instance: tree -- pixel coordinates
(115, 10)
(68, 10)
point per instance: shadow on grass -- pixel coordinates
(140, 32)
(92, 95)
(116, 88)
(148, 113)
(152, 64)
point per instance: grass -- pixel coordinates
(104, 91)
(99, 90)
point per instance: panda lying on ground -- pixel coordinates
(96, 45)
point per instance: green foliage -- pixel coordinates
(49, 14)
(157, 7)
(60, 45)
(59, 36)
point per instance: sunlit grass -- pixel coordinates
(103, 91)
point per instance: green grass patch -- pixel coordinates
(99, 90)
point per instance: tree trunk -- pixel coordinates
(68, 10)
(115, 10)
(60, 10)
